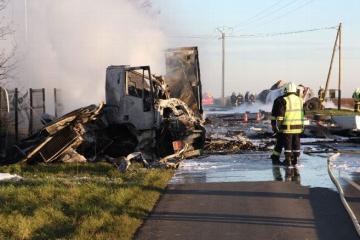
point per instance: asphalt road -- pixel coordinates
(248, 210)
(352, 193)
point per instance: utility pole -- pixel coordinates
(223, 70)
(222, 31)
(337, 45)
(339, 84)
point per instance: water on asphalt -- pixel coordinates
(311, 170)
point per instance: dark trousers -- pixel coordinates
(291, 143)
(278, 145)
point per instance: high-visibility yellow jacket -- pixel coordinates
(288, 114)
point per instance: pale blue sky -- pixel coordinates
(254, 64)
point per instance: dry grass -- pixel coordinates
(333, 112)
(88, 201)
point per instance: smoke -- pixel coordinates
(69, 43)
(247, 107)
(253, 108)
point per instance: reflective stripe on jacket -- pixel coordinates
(294, 115)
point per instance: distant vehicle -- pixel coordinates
(311, 100)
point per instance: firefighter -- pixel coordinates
(240, 99)
(287, 122)
(246, 98)
(356, 97)
(321, 94)
(233, 99)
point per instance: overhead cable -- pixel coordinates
(259, 13)
(258, 35)
(286, 13)
(266, 35)
(269, 14)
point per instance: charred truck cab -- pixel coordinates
(141, 116)
(130, 111)
(130, 97)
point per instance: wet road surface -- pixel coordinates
(245, 197)
(248, 210)
(311, 170)
(347, 170)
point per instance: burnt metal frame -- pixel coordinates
(143, 68)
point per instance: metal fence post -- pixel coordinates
(43, 98)
(31, 112)
(1, 109)
(16, 95)
(55, 103)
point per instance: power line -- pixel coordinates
(196, 36)
(287, 13)
(259, 13)
(259, 35)
(265, 35)
(263, 23)
(271, 13)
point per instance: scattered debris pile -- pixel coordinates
(123, 163)
(84, 135)
(59, 140)
(228, 133)
(228, 145)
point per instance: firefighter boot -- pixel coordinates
(287, 161)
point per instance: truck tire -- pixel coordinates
(312, 104)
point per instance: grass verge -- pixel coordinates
(77, 201)
(332, 112)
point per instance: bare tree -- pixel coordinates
(6, 57)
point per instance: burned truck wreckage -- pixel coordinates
(141, 114)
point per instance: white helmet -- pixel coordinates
(290, 88)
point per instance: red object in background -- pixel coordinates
(207, 99)
(245, 117)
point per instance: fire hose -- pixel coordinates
(341, 193)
